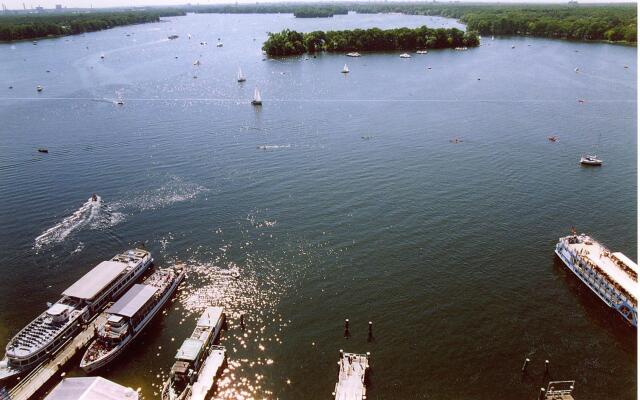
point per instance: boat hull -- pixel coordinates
(100, 363)
(565, 256)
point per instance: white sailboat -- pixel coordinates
(241, 77)
(257, 100)
(345, 69)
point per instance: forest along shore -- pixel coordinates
(611, 22)
(35, 26)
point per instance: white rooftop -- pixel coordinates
(594, 253)
(93, 388)
(210, 317)
(94, 281)
(133, 300)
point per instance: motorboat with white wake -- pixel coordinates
(128, 316)
(79, 304)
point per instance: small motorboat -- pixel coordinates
(35, 42)
(405, 55)
(421, 52)
(173, 37)
(102, 56)
(94, 197)
(196, 62)
(39, 88)
(345, 69)
(590, 159)
(353, 54)
(553, 138)
(120, 102)
(43, 150)
(513, 46)
(577, 69)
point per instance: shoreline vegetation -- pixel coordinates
(614, 23)
(27, 27)
(291, 43)
(611, 23)
(319, 12)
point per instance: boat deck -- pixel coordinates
(353, 368)
(41, 375)
(596, 254)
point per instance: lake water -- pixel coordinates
(341, 197)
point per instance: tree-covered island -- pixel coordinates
(289, 43)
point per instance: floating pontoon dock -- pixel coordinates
(560, 390)
(41, 375)
(207, 375)
(351, 378)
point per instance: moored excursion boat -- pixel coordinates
(79, 304)
(127, 317)
(422, 52)
(190, 358)
(354, 54)
(405, 55)
(613, 277)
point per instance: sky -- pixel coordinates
(17, 4)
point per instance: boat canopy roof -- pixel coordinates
(94, 281)
(94, 388)
(132, 301)
(189, 350)
(210, 317)
(626, 261)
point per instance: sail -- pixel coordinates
(240, 75)
(256, 96)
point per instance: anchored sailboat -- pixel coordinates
(241, 77)
(345, 69)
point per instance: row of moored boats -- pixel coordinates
(108, 293)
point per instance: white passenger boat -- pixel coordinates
(241, 77)
(191, 356)
(613, 277)
(345, 69)
(79, 304)
(352, 376)
(405, 55)
(353, 54)
(590, 159)
(422, 52)
(257, 100)
(129, 316)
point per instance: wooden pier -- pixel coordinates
(351, 378)
(45, 371)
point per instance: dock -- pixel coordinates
(558, 390)
(210, 369)
(351, 378)
(45, 371)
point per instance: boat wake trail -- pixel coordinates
(94, 214)
(82, 216)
